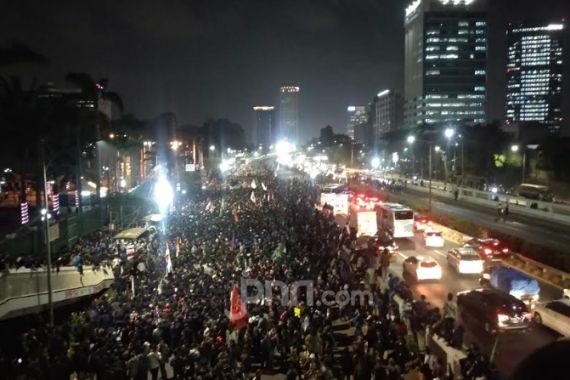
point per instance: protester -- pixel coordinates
(177, 320)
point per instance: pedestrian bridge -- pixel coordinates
(24, 291)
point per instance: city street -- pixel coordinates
(540, 232)
(513, 347)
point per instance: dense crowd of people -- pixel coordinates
(170, 315)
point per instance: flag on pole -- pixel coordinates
(253, 184)
(263, 186)
(252, 197)
(168, 260)
(238, 310)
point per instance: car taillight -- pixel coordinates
(502, 319)
(487, 251)
(505, 250)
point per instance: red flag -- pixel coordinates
(238, 310)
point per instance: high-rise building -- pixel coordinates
(534, 75)
(289, 113)
(388, 112)
(356, 115)
(264, 125)
(445, 62)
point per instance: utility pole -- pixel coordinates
(46, 225)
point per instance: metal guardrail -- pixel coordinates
(25, 291)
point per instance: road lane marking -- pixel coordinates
(440, 253)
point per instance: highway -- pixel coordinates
(513, 347)
(540, 232)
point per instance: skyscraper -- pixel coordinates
(388, 112)
(445, 62)
(534, 74)
(264, 125)
(289, 113)
(356, 115)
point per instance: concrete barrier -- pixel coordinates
(554, 212)
(452, 356)
(24, 291)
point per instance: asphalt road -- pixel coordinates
(540, 232)
(513, 347)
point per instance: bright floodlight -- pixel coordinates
(163, 194)
(515, 148)
(411, 139)
(375, 162)
(225, 166)
(437, 148)
(212, 148)
(449, 133)
(283, 147)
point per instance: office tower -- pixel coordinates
(289, 113)
(356, 115)
(264, 125)
(388, 112)
(445, 62)
(534, 75)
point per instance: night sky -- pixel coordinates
(215, 58)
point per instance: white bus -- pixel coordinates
(397, 219)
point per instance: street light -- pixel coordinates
(375, 162)
(449, 133)
(212, 148)
(437, 148)
(411, 140)
(515, 148)
(174, 145)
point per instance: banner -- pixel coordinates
(238, 310)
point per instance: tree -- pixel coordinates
(92, 91)
(24, 121)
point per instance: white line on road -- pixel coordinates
(440, 253)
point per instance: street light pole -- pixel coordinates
(524, 165)
(430, 170)
(46, 220)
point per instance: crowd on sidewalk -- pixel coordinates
(172, 317)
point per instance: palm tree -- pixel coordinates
(21, 116)
(93, 91)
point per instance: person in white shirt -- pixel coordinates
(154, 358)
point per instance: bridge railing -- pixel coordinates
(24, 291)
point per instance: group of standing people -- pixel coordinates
(173, 322)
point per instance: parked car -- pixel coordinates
(491, 249)
(418, 268)
(433, 239)
(554, 315)
(494, 310)
(465, 260)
